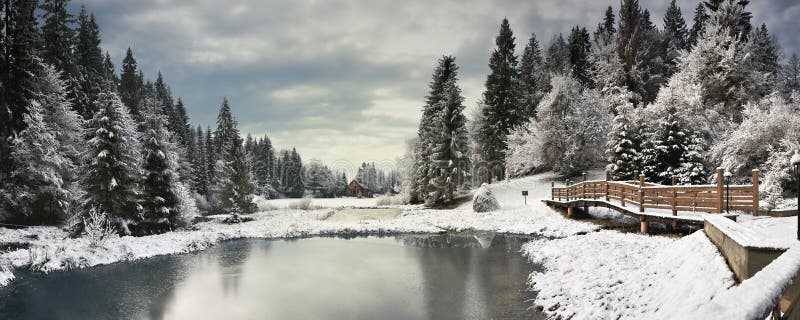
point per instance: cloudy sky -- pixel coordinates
(343, 81)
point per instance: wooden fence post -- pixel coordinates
(641, 193)
(720, 188)
(605, 184)
(567, 189)
(583, 178)
(674, 197)
(552, 189)
(755, 192)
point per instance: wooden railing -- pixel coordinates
(711, 198)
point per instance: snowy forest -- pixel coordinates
(82, 145)
(675, 100)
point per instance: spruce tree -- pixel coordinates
(672, 149)
(629, 30)
(131, 86)
(295, 173)
(226, 128)
(111, 162)
(624, 146)
(737, 19)
(501, 111)
(43, 189)
(200, 164)
(675, 28)
(579, 48)
(90, 61)
(426, 133)
(181, 128)
(57, 36)
(557, 59)
(763, 51)
(450, 163)
(18, 70)
(700, 18)
(675, 38)
(533, 78)
(158, 197)
(605, 29)
(211, 157)
(237, 191)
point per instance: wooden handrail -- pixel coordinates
(709, 198)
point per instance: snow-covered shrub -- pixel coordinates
(97, 227)
(484, 200)
(186, 204)
(749, 146)
(397, 199)
(302, 204)
(765, 140)
(570, 133)
(523, 154)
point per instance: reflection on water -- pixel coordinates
(456, 276)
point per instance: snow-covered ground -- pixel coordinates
(587, 274)
(611, 275)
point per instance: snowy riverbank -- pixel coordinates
(588, 273)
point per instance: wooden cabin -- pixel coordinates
(357, 189)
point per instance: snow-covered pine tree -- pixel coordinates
(450, 162)
(737, 19)
(713, 79)
(111, 162)
(501, 110)
(444, 70)
(625, 143)
(671, 149)
(158, 197)
(236, 194)
(533, 78)
(44, 187)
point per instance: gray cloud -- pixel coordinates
(341, 80)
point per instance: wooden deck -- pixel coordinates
(672, 205)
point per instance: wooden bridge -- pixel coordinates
(672, 205)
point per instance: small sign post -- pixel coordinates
(525, 195)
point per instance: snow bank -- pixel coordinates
(611, 275)
(753, 298)
(782, 229)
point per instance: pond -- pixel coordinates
(453, 276)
